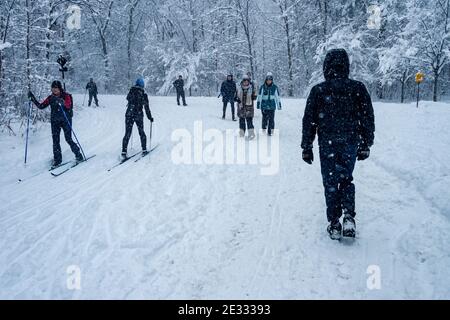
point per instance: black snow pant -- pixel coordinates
(338, 162)
(57, 125)
(182, 95)
(130, 120)
(246, 121)
(93, 95)
(268, 121)
(225, 104)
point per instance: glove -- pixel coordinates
(308, 156)
(363, 152)
(151, 119)
(31, 96)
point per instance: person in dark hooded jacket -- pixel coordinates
(340, 112)
(228, 91)
(137, 101)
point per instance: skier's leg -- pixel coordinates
(68, 136)
(56, 131)
(128, 130)
(178, 97)
(96, 100)
(90, 100)
(183, 95)
(140, 125)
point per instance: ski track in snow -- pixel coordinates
(155, 230)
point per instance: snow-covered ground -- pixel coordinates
(156, 230)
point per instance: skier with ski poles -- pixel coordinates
(340, 112)
(179, 87)
(91, 87)
(61, 104)
(137, 101)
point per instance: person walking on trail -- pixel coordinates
(228, 91)
(61, 104)
(268, 102)
(179, 87)
(246, 108)
(340, 112)
(91, 87)
(137, 101)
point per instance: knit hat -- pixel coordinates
(57, 84)
(140, 83)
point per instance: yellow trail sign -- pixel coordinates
(420, 77)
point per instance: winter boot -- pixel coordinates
(56, 164)
(234, 118)
(349, 227)
(79, 158)
(335, 230)
(223, 117)
(144, 152)
(242, 133)
(124, 156)
(251, 134)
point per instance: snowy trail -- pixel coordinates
(155, 230)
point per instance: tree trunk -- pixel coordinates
(435, 85)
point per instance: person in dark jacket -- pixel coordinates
(228, 91)
(269, 101)
(340, 112)
(246, 97)
(179, 87)
(92, 89)
(61, 105)
(137, 101)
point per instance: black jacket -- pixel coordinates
(179, 85)
(92, 87)
(228, 91)
(137, 101)
(339, 109)
(59, 106)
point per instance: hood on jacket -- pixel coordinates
(336, 64)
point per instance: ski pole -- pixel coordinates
(151, 133)
(71, 129)
(84, 99)
(28, 130)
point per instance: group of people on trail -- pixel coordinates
(267, 99)
(339, 111)
(61, 104)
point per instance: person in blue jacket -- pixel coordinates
(269, 101)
